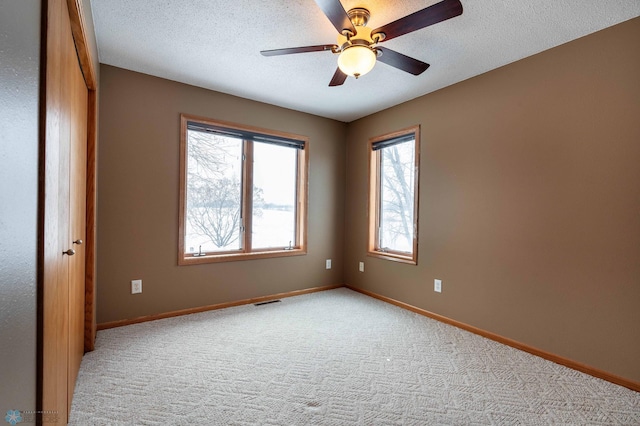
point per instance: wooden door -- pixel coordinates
(77, 220)
(63, 215)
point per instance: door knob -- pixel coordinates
(69, 252)
(78, 242)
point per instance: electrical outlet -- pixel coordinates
(136, 286)
(437, 286)
(328, 264)
(361, 267)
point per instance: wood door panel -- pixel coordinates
(54, 357)
(77, 221)
(64, 154)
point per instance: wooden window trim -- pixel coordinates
(373, 208)
(300, 247)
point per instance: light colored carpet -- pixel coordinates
(330, 358)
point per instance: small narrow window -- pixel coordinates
(393, 196)
(242, 192)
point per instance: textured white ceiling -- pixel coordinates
(216, 44)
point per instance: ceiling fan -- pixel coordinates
(358, 46)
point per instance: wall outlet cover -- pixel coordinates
(437, 286)
(361, 266)
(328, 264)
(136, 286)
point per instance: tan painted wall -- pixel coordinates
(138, 200)
(529, 201)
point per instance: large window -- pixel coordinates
(242, 192)
(393, 195)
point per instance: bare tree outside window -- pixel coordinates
(214, 192)
(397, 173)
(213, 209)
(214, 196)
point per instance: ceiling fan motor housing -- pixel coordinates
(363, 38)
(359, 16)
(357, 54)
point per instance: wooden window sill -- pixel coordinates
(233, 257)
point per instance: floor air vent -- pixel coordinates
(266, 303)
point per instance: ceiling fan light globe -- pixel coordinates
(356, 61)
